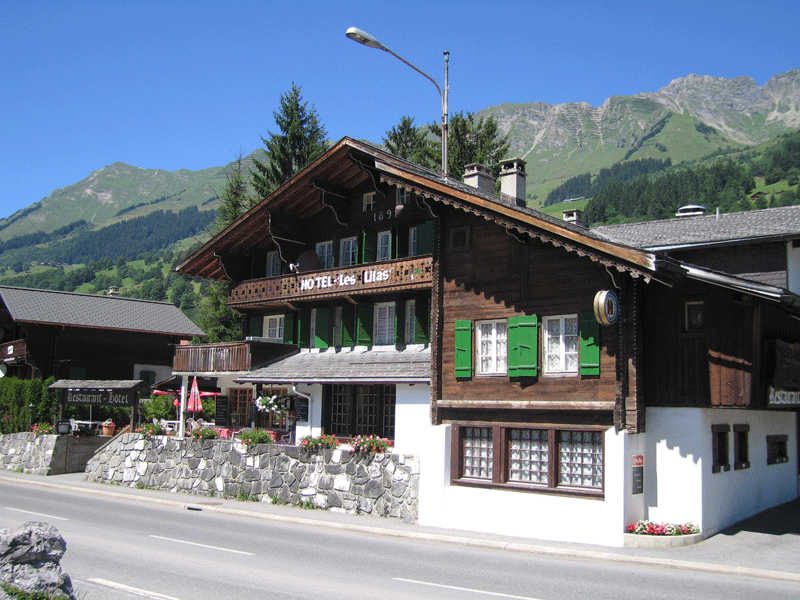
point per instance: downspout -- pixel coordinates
(310, 404)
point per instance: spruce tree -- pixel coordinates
(301, 139)
(235, 200)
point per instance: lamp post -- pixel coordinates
(362, 37)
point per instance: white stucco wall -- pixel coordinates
(679, 483)
(521, 513)
(792, 268)
(412, 417)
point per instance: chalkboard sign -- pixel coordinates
(301, 409)
(637, 482)
(222, 413)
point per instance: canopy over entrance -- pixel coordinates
(100, 392)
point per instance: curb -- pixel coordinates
(436, 537)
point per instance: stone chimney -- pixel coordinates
(574, 216)
(513, 179)
(479, 176)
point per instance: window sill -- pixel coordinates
(536, 489)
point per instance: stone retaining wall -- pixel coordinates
(383, 485)
(47, 454)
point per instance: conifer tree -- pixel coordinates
(235, 200)
(301, 139)
(408, 142)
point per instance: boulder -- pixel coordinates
(30, 557)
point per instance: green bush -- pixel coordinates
(256, 436)
(24, 402)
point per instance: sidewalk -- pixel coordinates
(766, 545)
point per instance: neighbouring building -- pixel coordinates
(88, 337)
(556, 383)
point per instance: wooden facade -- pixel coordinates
(225, 356)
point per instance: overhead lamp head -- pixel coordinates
(362, 37)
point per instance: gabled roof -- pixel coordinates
(27, 305)
(347, 366)
(349, 163)
(771, 224)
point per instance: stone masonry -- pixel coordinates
(384, 485)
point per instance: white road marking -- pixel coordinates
(463, 589)
(158, 537)
(28, 512)
(131, 590)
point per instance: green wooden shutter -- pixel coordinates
(322, 328)
(367, 250)
(255, 325)
(425, 237)
(399, 322)
(589, 331)
(463, 348)
(288, 329)
(347, 325)
(394, 250)
(364, 318)
(258, 264)
(422, 320)
(335, 251)
(523, 346)
(304, 327)
(402, 241)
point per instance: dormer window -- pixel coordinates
(369, 201)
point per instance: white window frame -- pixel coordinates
(411, 309)
(384, 324)
(273, 328)
(369, 201)
(273, 263)
(561, 348)
(325, 254)
(384, 249)
(495, 333)
(412, 241)
(348, 251)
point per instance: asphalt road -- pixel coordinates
(119, 549)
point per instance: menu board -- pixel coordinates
(222, 412)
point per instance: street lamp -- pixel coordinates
(362, 37)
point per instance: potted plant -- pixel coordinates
(108, 427)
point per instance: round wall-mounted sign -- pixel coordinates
(606, 307)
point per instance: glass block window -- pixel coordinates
(529, 455)
(580, 460)
(478, 452)
(561, 344)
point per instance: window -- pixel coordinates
(348, 252)
(560, 345)
(741, 447)
(403, 196)
(544, 459)
(492, 345)
(412, 241)
(351, 410)
(458, 239)
(337, 327)
(694, 317)
(410, 322)
(777, 449)
(325, 254)
(384, 324)
(719, 448)
(240, 401)
(273, 263)
(384, 245)
(273, 328)
(369, 201)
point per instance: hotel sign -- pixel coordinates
(99, 397)
(343, 281)
(785, 387)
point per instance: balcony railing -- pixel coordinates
(225, 357)
(402, 274)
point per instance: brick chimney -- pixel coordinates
(479, 176)
(513, 179)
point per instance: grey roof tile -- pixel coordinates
(347, 366)
(781, 223)
(28, 305)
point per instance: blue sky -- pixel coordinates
(190, 84)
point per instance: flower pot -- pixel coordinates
(108, 429)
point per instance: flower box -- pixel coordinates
(635, 540)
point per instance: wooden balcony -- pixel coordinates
(226, 357)
(394, 275)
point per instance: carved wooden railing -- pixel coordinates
(232, 356)
(402, 274)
